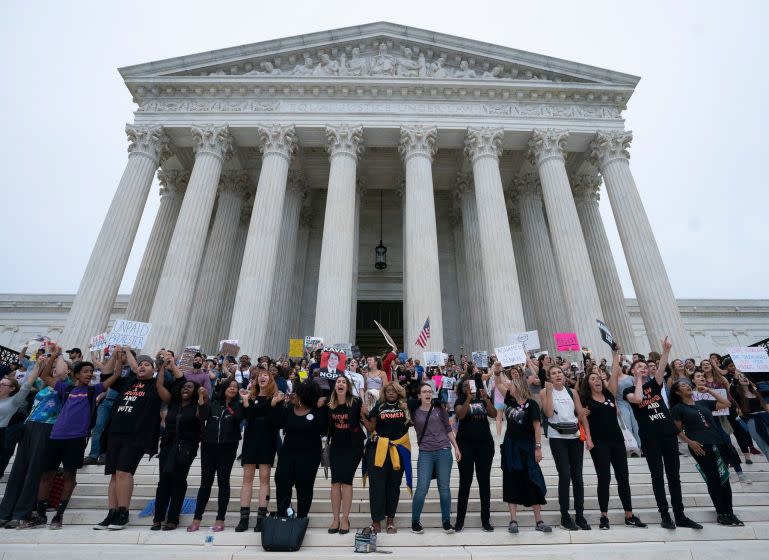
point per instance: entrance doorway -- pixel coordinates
(390, 316)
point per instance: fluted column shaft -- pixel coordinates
(615, 310)
(203, 327)
(547, 294)
(524, 271)
(504, 310)
(295, 311)
(251, 312)
(359, 192)
(89, 315)
(176, 290)
(465, 322)
(580, 294)
(233, 272)
(657, 303)
(476, 299)
(423, 282)
(172, 186)
(333, 309)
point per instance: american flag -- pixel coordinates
(424, 335)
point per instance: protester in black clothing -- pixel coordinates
(346, 440)
(608, 450)
(473, 408)
(304, 421)
(178, 448)
(695, 423)
(260, 443)
(218, 448)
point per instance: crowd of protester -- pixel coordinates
(300, 415)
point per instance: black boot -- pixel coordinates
(261, 513)
(245, 513)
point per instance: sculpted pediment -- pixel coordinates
(374, 52)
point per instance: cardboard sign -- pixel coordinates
(98, 342)
(606, 335)
(295, 348)
(529, 339)
(386, 336)
(511, 355)
(434, 359)
(481, 359)
(312, 343)
(185, 362)
(566, 342)
(129, 334)
(229, 348)
(749, 359)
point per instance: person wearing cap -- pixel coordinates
(75, 356)
(198, 374)
(134, 430)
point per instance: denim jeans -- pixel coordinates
(441, 461)
(102, 417)
(757, 439)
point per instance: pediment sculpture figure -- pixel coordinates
(305, 69)
(465, 71)
(495, 72)
(268, 69)
(357, 65)
(326, 67)
(383, 64)
(437, 69)
(407, 67)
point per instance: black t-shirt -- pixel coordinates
(325, 379)
(698, 421)
(344, 425)
(651, 413)
(391, 420)
(302, 433)
(137, 408)
(183, 423)
(520, 418)
(603, 419)
(475, 425)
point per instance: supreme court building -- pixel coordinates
(284, 164)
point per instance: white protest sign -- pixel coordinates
(749, 359)
(697, 396)
(131, 334)
(98, 342)
(434, 359)
(481, 359)
(529, 340)
(511, 355)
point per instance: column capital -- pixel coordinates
(606, 147)
(296, 183)
(214, 140)
(483, 142)
(547, 144)
(344, 140)
(277, 140)
(149, 141)
(234, 182)
(586, 188)
(173, 182)
(418, 140)
(527, 185)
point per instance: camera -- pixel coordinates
(436, 402)
(478, 382)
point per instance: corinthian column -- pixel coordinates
(176, 290)
(359, 192)
(613, 304)
(422, 279)
(297, 282)
(333, 309)
(284, 270)
(547, 295)
(658, 305)
(504, 310)
(251, 313)
(455, 219)
(203, 326)
(233, 271)
(89, 315)
(471, 242)
(522, 265)
(172, 186)
(579, 292)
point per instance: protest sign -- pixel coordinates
(566, 342)
(345, 347)
(511, 354)
(697, 396)
(529, 339)
(98, 342)
(749, 359)
(386, 335)
(229, 347)
(185, 362)
(606, 335)
(8, 356)
(434, 359)
(312, 343)
(129, 334)
(295, 348)
(332, 360)
(481, 359)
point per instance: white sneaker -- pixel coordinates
(742, 477)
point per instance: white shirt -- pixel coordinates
(563, 413)
(242, 377)
(357, 382)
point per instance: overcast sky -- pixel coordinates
(699, 115)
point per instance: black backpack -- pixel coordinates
(91, 401)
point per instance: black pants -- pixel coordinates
(21, 488)
(216, 459)
(384, 487)
(299, 471)
(476, 456)
(661, 454)
(721, 494)
(612, 454)
(9, 437)
(568, 455)
(740, 434)
(170, 494)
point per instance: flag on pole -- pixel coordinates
(424, 334)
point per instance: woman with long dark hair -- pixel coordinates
(754, 410)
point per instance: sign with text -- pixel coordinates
(481, 359)
(229, 348)
(98, 342)
(185, 361)
(566, 342)
(511, 355)
(295, 348)
(434, 359)
(312, 343)
(529, 339)
(130, 334)
(697, 396)
(749, 359)
(345, 347)
(606, 335)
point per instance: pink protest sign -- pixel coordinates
(566, 342)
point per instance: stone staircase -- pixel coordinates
(89, 503)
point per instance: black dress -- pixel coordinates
(347, 438)
(522, 480)
(260, 438)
